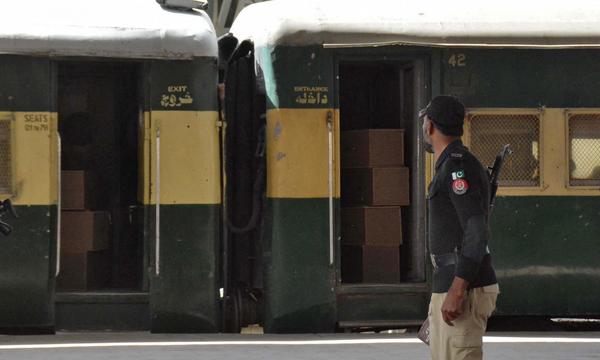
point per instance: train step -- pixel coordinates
(102, 311)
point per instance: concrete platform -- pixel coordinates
(115, 346)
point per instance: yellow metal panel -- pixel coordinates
(553, 153)
(189, 157)
(429, 169)
(34, 158)
(298, 153)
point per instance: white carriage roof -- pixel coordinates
(104, 28)
(473, 23)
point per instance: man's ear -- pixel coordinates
(430, 128)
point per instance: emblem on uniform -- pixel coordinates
(460, 186)
(458, 174)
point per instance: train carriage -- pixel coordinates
(326, 70)
(110, 153)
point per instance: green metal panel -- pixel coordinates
(546, 252)
(522, 78)
(184, 296)
(28, 255)
(312, 68)
(387, 304)
(544, 266)
(299, 283)
(300, 286)
(25, 84)
(545, 248)
(98, 311)
(27, 266)
(196, 78)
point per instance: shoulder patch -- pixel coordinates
(458, 174)
(460, 186)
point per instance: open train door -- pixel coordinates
(383, 278)
(28, 175)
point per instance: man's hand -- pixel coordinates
(453, 305)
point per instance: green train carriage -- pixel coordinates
(126, 92)
(528, 78)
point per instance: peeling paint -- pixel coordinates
(278, 130)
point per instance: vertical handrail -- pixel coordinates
(157, 193)
(330, 184)
(58, 201)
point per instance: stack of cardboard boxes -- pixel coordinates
(375, 185)
(84, 233)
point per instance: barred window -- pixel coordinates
(490, 132)
(584, 149)
(5, 156)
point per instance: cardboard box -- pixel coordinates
(372, 148)
(82, 231)
(84, 271)
(375, 187)
(370, 264)
(372, 225)
(77, 190)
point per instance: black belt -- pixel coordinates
(442, 260)
(448, 259)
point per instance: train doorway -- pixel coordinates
(101, 248)
(382, 215)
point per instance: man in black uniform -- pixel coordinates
(464, 281)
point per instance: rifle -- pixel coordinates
(494, 172)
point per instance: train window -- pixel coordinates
(489, 132)
(5, 156)
(584, 149)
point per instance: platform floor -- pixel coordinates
(130, 346)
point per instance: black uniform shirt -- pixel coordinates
(458, 199)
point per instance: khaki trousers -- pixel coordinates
(463, 341)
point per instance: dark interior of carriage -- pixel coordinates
(99, 111)
(245, 169)
(378, 236)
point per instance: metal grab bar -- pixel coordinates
(330, 184)
(58, 201)
(157, 224)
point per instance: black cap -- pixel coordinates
(447, 114)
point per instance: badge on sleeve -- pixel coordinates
(460, 186)
(458, 174)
